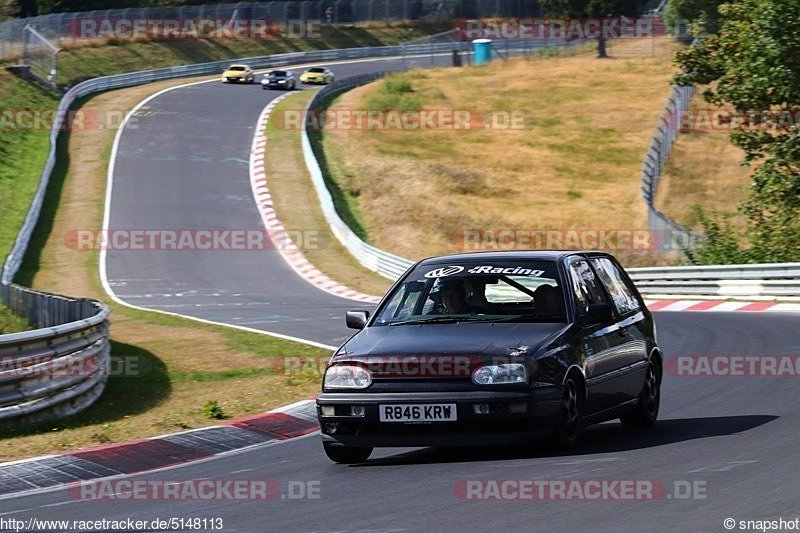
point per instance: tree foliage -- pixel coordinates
(702, 15)
(753, 65)
(591, 8)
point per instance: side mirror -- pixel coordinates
(598, 313)
(356, 319)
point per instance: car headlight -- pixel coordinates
(500, 374)
(347, 377)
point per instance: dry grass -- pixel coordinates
(185, 364)
(704, 168)
(575, 164)
(298, 208)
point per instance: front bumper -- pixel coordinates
(506, 423)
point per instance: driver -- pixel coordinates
(454, 297)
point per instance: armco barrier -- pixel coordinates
(654, 162)
(14, 259)
(59, 368)
(761, 282)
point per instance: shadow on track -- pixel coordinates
(604, 438)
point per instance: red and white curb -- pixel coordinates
(720, 306)
(277, 233)
(51, 472)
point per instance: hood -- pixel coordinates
(466, 338)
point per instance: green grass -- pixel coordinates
(23, 151)
(11, 323)
(80, 62)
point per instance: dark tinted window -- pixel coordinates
(620, 292)
(478, 291)
(585, 286)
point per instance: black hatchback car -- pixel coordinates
(493, 348)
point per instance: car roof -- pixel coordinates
(509, 255)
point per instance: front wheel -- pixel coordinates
(568, 430)
(346, 455)
(646, 411)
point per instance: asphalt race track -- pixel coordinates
(733, 439)
(182, 164)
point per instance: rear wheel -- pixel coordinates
(346, 455)
(568, 430)
(646, 411)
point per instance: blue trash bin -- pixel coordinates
(483, 50)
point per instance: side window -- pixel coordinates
(586, 286)
(609, 273)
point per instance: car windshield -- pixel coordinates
(492, 291)
(237, 68)
(277, 74)
(316, 69)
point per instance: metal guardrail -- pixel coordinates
(83, 89)
(675, 236)
(59, 368)
(776, 281)
(65, 28)
(384, 263)
(779, 281)
(374, 259)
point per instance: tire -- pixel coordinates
(346, 455)
(646, 411)
(570, 424)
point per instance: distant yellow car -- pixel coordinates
(318, 75)
(238, 74)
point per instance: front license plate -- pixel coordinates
(416, 412)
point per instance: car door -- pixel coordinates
(632, 323)
(603, 343)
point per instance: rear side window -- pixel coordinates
(585, 286)
(620, 292)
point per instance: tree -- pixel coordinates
(753, 65)
(592, 9)
(702, 15)
(9, 9)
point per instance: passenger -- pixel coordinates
(548, 301)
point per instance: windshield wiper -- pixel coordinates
(437, 320)
(529, 318)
